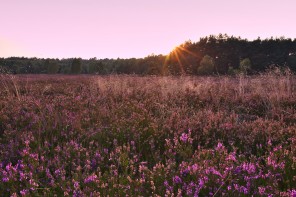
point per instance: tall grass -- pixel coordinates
(148, 136)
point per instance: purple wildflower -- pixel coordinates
(219, 146)
(244, 190)
(177, 180)
(261, 190)
(24, 192)
(184, 137)
(185, 172)
(168, 187)
(194, 167)
(90, 179)
(5, 179)
(201, 183)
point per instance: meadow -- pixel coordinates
(125, 135)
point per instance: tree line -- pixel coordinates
(221, 54)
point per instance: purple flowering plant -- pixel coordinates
(143, 136)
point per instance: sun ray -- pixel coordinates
(178, 59)
(189, 52)
(183, 57)
(165, 64)
(167, 57)
(178, 53)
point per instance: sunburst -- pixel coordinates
(179, 53)
(176, 52)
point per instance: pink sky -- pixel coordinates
(133, 28)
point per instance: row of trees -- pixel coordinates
(213, 54)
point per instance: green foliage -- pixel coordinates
(52, 66)
(245, 66)
(292, 62)
(76, 66)
(207, 66)
(231, 71)
(94, 67)
(189, 58)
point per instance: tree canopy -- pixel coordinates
(212, 54)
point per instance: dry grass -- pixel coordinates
(130, 135)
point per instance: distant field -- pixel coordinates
(148, 136)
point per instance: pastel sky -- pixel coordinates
(133, 28)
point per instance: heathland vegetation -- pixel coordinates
(220, 54)
(150, 126)
(126, 135)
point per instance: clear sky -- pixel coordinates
(133, 28)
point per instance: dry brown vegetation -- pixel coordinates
(90, 135)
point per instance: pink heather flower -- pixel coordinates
(48, 174)
(231, 157)
(184, 137)
(5, 179)
(34, 156)
(8, 167)
(27, 142)
(58, 148)
(270, 161)
(14, 195)
(76, 185)
(168, 187)
(227, 126)
(57, 172)
(77, 98)
(249, 167)
(189, 191)
(33, 183)
(261, 190)
(90, 179)
(98, 155)
(277, 148)
(177, 180)
(25, 152)
(115, 172)
(185, 172)
(236, 186)
(77, 193)
(166, 183)
(22, 176)
(194, 167)
(20, 166)
(201, 183)
(214, 171)
(219, 146)
(24, 192)
(244, 190)
(293, 193)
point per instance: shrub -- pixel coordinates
(245, 66)
(207, 66)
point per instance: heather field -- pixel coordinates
(87, 135)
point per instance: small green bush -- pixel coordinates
(207, 66)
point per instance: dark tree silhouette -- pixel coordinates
(76, 66)
(227, 53)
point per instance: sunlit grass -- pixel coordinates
(141, 136)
